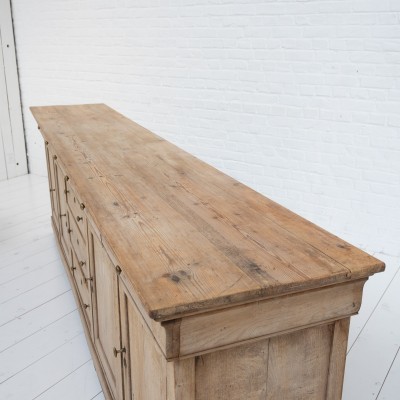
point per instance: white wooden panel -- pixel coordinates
(10, 102)
(4, 129)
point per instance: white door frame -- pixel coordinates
(11, 125)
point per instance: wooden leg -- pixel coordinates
(337, 359)
(181, 379)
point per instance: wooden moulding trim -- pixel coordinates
(199, 308)
(218, 330)
(222, 329)
(96, 362)
(173, 336)
(256, 339)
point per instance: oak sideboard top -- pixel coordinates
(188, 237)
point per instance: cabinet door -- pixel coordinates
(62, 211)
(106, 315)
(144, 365)
(52, 185)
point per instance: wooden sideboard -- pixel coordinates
(192, 286)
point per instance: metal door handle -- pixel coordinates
(116, 352)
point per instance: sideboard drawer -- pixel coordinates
(78, 243)
(77, 208)
(83, 284)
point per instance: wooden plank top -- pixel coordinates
(188, 237)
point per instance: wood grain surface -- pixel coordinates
(188, 237)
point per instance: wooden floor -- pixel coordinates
(43, 351)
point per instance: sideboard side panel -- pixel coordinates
(298, 364)
(235, 374)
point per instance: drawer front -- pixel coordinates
(79, 246)
(84, 287)
(77, 209)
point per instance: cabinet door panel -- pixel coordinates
(144, 365)
(62, 211)
(52, 186)
(106, 315)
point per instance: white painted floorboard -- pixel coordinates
(43, 351)
(372, 356)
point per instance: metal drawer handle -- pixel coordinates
(79, 218)
(82, 206)
(82, 263)
(116, 352)
(63, 215)
(89, 279)
(52, 190)
(85, 305)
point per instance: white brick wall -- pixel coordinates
(298, 99)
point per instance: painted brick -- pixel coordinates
(298, 99)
